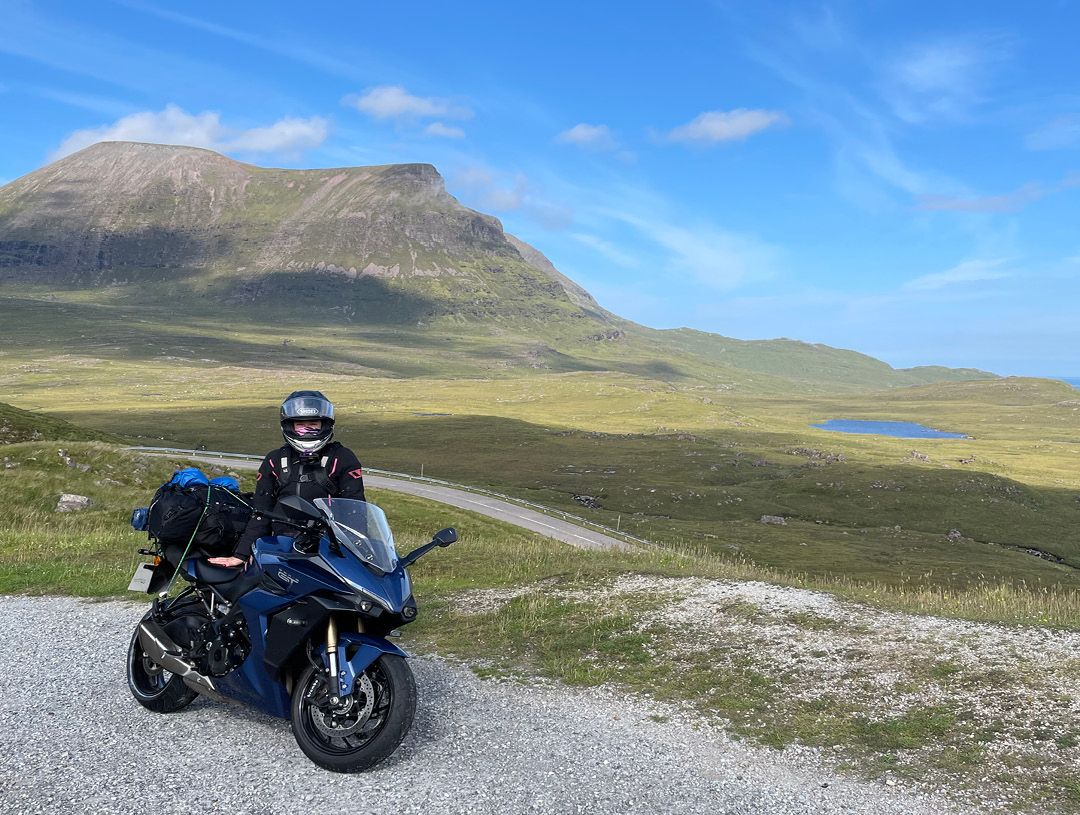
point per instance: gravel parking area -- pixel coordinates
(73, 740)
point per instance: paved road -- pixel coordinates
(556, 528)
(74, 741)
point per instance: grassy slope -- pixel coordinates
(23, 425)
(563, 626)
(685, 464)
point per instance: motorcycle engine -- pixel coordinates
(223, 645)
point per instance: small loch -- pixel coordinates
(900, 430)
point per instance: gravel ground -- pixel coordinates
(1020, 683)
(74, 740)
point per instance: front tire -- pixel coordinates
(152, 686)
(358, 736)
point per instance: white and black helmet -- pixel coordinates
(307, 405)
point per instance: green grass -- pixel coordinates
(555, 623)
(686, 461)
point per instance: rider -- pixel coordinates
(310, 464)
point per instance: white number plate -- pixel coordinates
(141, 579)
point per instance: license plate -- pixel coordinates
(141, 579)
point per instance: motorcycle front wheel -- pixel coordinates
(362, 729)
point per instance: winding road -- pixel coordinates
(526, 518)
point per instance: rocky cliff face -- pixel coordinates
(118, 213)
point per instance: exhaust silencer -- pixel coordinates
(166, 653)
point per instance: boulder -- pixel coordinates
(69, 502)
(779, 520)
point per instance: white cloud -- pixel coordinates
(393, 102)
(592, 137)
(1006, 202)
(605, 248)
(970, 271)
(493, 193)
(715, 257)
(286, 135)
(1061, 133)
(943, 79)
(509, 192)
(727, 125)
(444, 131)
(174, 125)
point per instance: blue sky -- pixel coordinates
(901, 179)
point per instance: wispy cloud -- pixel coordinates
(606, 248)
(174, 125)
(591, 137)
(967, 272)
(103, 105)
(394, 103)
(88, 51)
(715, 126)
(499, 192)
(870, 169)
(283, 46)
(444, 131)
(710, 255)
(943, 79)
(1060, 133)
(1007, 202)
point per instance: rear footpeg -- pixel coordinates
(166, 653)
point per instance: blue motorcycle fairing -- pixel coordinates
(296, 576)
(368, 649)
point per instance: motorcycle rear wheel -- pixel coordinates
(153, 687)
(392, 708)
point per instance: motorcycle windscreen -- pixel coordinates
(362, 528)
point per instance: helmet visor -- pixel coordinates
(307, 407)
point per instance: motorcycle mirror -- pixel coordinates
(301, 505)
(444, 537)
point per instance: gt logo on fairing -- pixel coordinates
(285, 577)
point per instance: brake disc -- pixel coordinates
(337, 721)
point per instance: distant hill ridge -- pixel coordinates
(382, 245)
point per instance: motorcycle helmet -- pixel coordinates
(307, 405)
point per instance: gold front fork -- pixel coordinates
(332, 657)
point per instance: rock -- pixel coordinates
(69, 502)
(778, 520)
(954, 536)
(590, 501)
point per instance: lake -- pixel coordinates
(1072, 380)
(900, 430)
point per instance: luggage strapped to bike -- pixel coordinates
(195, 531)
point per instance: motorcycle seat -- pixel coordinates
(215, 575)
(231, 581)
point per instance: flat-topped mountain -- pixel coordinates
(123, 213)
(196, 232)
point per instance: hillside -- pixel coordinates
(23, 425)
(353, 250)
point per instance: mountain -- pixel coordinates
(195, 233)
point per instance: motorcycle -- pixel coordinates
(299, 633)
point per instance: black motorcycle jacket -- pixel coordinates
(336, 473)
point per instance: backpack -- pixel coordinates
(189, 509)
